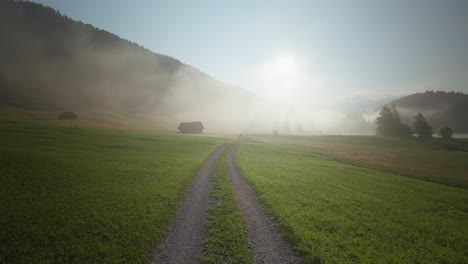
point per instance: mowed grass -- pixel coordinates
(339, 213)
(227, 242)
(75, 195)
(436, 160)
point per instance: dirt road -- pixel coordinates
(184, 243)
(266, 243)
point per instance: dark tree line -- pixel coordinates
(389, 124)
(446, 108)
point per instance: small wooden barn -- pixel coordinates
(67, 116)
(191, 127)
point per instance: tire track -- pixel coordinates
(266, 243)
(184, 243)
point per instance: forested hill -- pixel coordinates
(440, 109)
(49, 61)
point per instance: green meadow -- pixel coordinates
(435, 160)
(80, 195)
(84, 195)
(335, 212)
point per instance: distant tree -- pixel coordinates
(389, 123)
(395, 112)
(446, 132)
(405, 131)
(421, 128)
(384, 122)
(354, 123)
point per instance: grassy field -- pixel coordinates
(340, 213)
(81, 195)
(92, 119)
(436, 160)
(227, 242)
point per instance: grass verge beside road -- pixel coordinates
(340, 213)
(75, 195)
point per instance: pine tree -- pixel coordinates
(421, 127)
(384, 121)
(389, 123)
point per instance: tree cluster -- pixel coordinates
(446, 132)
(389, 125)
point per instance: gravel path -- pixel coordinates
(266, 243)
(187, 232)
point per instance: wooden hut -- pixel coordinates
(191, 127)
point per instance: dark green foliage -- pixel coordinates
(389, 123)
(421, 128)
(446, 132)
(405, 131)
(384, 121)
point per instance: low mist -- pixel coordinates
(50, 62)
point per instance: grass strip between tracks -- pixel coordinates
(227, 242)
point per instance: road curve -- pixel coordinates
(184, 243)
(266, 243)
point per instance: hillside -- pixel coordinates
(440, 109)
(51, 62)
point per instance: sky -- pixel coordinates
(307, 52)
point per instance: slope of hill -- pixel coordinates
(51, 62)
(440, 109)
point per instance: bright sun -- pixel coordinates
(284, 66)
(279, 78)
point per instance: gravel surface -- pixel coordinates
(265, 242)
(184, 243)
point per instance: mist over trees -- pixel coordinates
(51, 62)
(355, 123)
(440, 109)
(389, 123)
(421, 128)
(446, 132)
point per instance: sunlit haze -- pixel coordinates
(304, 52)
(233, 131)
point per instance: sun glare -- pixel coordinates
(279, 78)
(284, 66)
